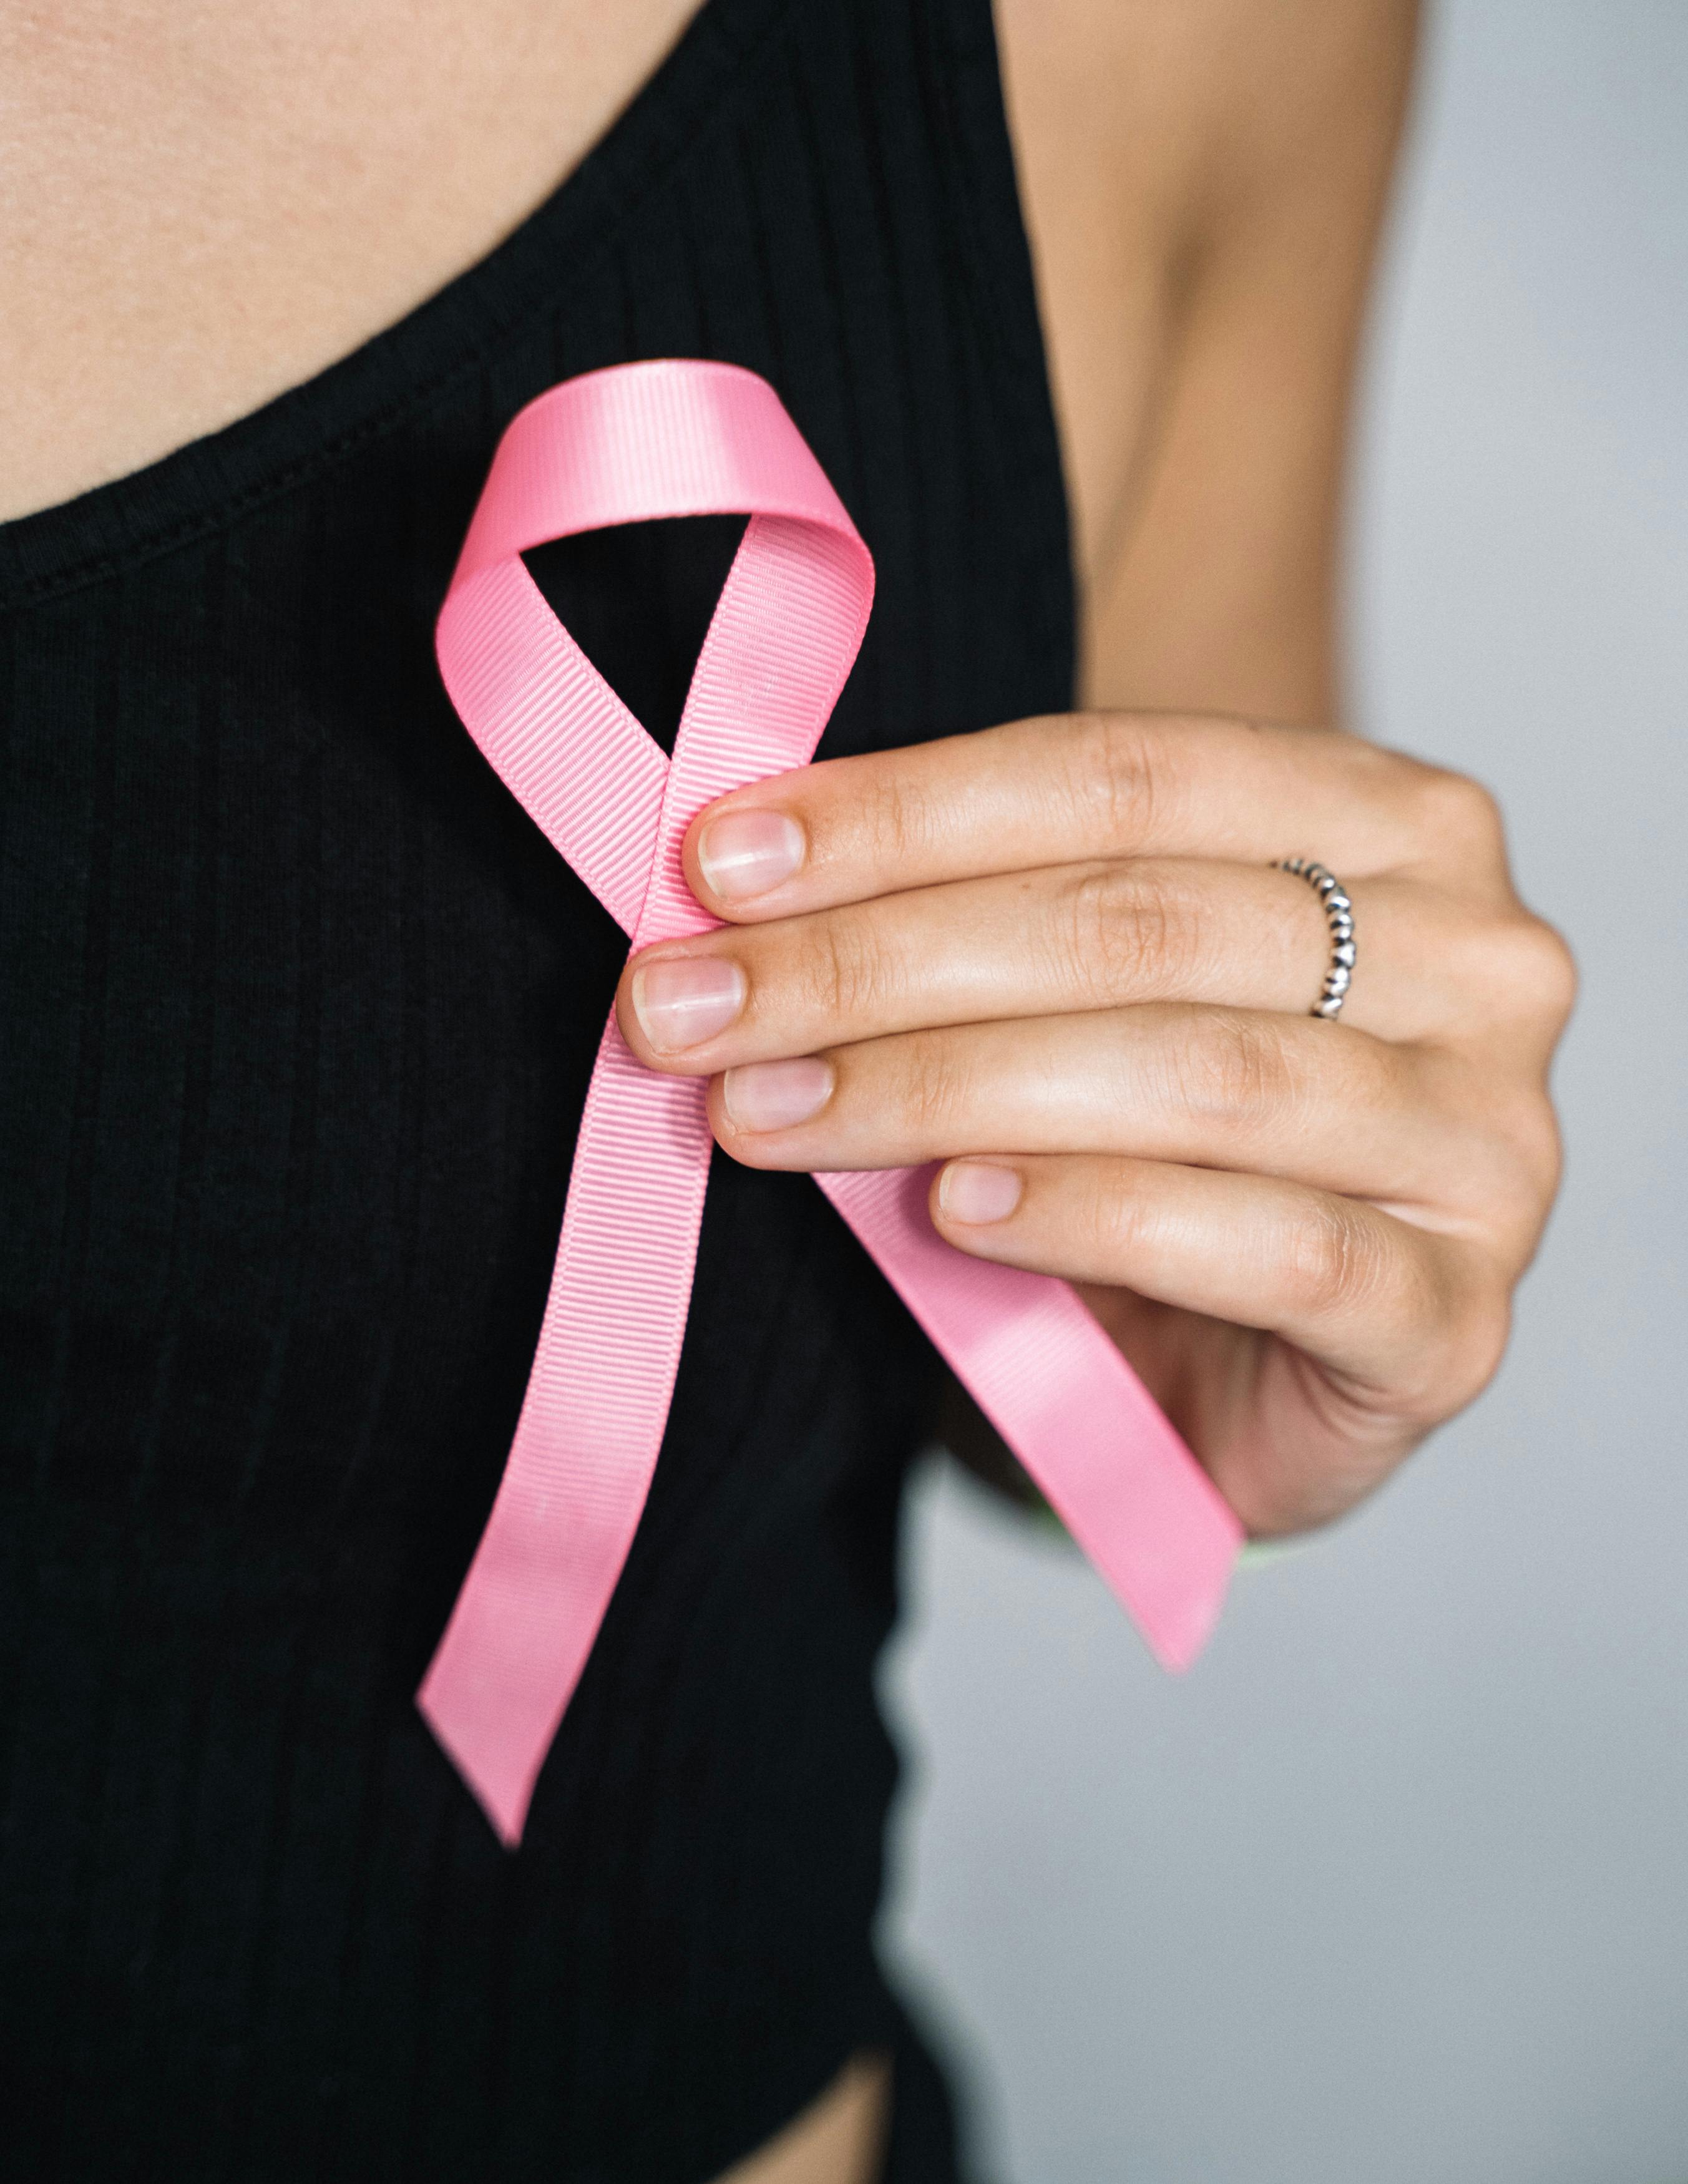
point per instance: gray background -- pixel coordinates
(1393, 1886)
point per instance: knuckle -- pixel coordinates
(1120, 932)
(1501, 1161)
(1522, 1175)
(933, 1087)
(1457, 816)
(1112, 1223)
(1526, 1158)
(898, 820)
(1233, 1069)
(1505, 970)
(1341, 1262)
(841, 973)
(1540, 972)
(1116, 777)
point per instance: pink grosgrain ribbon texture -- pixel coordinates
(626, 445)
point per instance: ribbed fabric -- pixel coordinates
(297, 1014)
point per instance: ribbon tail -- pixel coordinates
(1065, 1401)
(524, 1622)
(574, 1486)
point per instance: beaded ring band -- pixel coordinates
(1338, 913)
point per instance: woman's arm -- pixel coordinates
(1056, 958)
(1203, 183)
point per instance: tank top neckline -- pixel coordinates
(421, 357)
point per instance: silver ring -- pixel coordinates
(1339, 913)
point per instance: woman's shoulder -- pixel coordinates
(1195, 83)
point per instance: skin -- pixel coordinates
(1056, 959)
(1056, 953)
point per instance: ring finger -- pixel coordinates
(1035, 944)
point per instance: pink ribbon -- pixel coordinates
(627, 445)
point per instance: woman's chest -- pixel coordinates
(207, 207)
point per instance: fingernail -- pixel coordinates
(686, 1000)
(747, 852)
(976, 1191)
(773, 1095)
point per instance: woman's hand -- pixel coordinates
(1056, 958)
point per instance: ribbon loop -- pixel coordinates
(634, 443)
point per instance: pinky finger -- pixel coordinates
(1399, 1317)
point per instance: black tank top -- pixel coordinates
(297, 1014)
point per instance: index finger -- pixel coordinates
(1052, 791)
